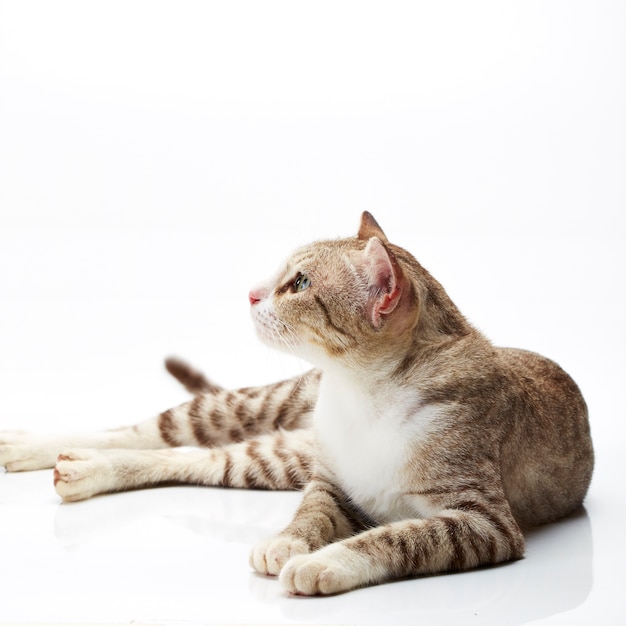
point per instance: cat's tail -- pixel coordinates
(194, 381)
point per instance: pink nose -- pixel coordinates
(254, 296)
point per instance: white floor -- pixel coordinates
(158, 159)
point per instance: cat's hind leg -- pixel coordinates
(222, 416)
(212, 418)
(281, 460)
(29, 451)
(25, 451)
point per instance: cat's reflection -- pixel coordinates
(222, 514)
(555, 576)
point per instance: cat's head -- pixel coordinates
(344, 299)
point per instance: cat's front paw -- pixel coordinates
(269, 556)
(80, 474)
(333, 569)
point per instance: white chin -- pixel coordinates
(268, 337)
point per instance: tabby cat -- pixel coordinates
(421, 447)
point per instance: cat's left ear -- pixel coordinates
(384, 281)
(369, 228)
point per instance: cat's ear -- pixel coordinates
(369, 228)
(384, 279)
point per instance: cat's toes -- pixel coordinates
(269, 556)
(79, 474)
(324, 572)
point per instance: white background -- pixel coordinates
(159, 158)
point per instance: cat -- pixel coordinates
(421, 447)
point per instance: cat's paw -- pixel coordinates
(22, 451)
(333, 569)
(269, 556)
(80, 474)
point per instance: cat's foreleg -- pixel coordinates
(323, 516)
(453, 540)
(281, 460)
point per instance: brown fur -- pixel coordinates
(510, 446)
(487, 441)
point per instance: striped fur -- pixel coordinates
(194, 381)
(434, 448)
(214, 417)
(422, 448)
(222, 416)
(280, 460)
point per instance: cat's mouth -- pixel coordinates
(273, 331)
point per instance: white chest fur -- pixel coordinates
(367, 437)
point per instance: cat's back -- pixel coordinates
(540, 391)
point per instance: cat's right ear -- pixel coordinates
(369, 228)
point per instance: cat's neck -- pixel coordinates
(412, 363)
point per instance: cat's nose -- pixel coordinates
(258, 293)
(254, 296)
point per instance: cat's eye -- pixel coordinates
(301, 283)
